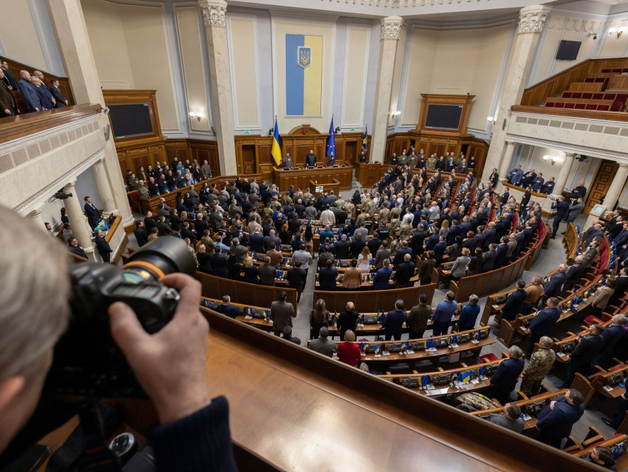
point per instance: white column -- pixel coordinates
(389, 37)
(38, 218)
(76, 50)
(563, 175)
(617, 186)
(214, 17)
(506, 160)
(104, 186)
(531, 24)
(78, 220)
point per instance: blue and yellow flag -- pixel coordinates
(378, 349)
(424, 380)
(304, 74)
(276, 149)
(364, 347)
(429, 344)
(365, 139)
(466, 376)
(404, 346)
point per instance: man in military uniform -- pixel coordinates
(412, 159)
(403, 159)
(431, 162)
(540, 364)
(144, 193)
(287, 161)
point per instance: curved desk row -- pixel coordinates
(391, 427)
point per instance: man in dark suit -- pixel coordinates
(75, 248)
(57, 94)
(327, 276)
(585, 352)
(281, 313)
(621, 285)
(612, 335)
(543, 323)
(93, 217)
(226, 308)
(404, 272)
(310, 159)
(103, 246)
(10, 80)
(140, 233)
(342, 247)
(562, 210)
(574, 273)
(30, 97)
(7, 102)
(347, 320)
(393, 324)
(488, 258)
(512, 307)
(554, 287)
(44, 94)
(557, 418)
(507, 375)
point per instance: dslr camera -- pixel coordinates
(87, 361)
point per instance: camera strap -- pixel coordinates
(87, 446)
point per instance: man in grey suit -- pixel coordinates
(281, 314)
(31, 99)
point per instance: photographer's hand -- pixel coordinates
(170, 364)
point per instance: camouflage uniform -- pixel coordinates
(540, 364)
(431, 163)
(384, 216)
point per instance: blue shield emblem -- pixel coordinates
(304, 56)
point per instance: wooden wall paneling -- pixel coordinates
(178, 148)
(157, 154)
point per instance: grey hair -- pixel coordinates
(34, 296)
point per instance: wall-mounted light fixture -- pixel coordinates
(491, 119)
(395, 114)
(195, 115)
(617, 31)
(552, 159)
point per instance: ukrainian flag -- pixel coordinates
(304, 74)
(424, 380)
(276, 149)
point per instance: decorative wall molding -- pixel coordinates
(391, 27)
(532, 21)
(214, 14)
(567, 23)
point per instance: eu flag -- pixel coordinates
(331, 140)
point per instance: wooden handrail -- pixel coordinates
(15, 127)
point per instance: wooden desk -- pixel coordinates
(333, 185)
(323, 402)
(320, 175)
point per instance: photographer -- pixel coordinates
(170, 365)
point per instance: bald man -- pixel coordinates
(30, 97)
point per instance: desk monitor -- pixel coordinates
(568, 346)
(410, 382)
(417, 345)
(318, 189)
(535, 408)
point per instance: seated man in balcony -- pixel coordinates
(32, 101)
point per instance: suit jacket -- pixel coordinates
(281, 313)
(555, 286)
(347, 320)
(611, 335)
(587, 350)
(58, 96)
(506, 375)
(543, 323)
(29, 95)
(6, 100)
(10, 78)
(393, 324)
(103, 249)
(557, 423)
(92, 214)
(381, 281)
(513, 304)
(45, 97)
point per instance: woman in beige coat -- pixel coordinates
(600, 298)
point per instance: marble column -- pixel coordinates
(563, 175)
(214, 17)
(104, 186)
(78, 221)
(69, 25)
(531, 24)
(506, 160)
(389, 37)
(38, 218)
(616, 188)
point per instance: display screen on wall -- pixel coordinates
(568, 50)
(443, 116)
(130, 120)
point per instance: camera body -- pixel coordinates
(87, 361)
